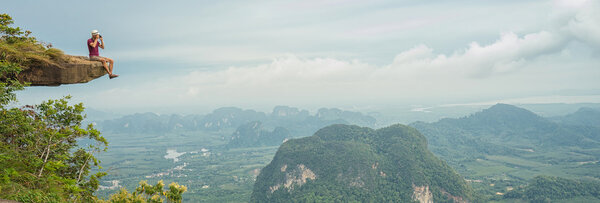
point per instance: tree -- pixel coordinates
(148, 193)
(41, 159)
(39, 154)
(12, 34)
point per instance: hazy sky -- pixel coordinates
(189, 56)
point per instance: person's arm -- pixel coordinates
(102, 44)
(93, 44)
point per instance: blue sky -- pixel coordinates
(193, 56)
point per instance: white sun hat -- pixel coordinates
(95, 32)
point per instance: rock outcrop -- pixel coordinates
(422, 194)
(75, 69)
(296, 177)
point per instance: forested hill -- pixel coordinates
(504, 147)
(583, 116)
(343, 163)
(254, 135)
(503, 130)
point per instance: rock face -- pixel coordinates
(422, 194)
(77, 69)
(296, 177)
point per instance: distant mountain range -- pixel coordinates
(344, 163)
(503, 144)
(297, 122)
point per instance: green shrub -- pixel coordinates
(149, 193)
(55, 54)
(17, 46)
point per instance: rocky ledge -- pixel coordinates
(75, 69)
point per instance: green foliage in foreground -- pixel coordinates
(548, 188)
(39, 156)
(148, 193)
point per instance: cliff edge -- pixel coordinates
(73, 69)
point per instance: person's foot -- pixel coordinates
(113, 76)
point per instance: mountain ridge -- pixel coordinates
(298, 122)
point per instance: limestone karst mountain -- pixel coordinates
(343, 163)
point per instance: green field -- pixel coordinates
(493, 174)
(216, 174)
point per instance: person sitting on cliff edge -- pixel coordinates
(93, 44)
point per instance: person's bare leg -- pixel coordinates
(106, 66)
(111, 76)
(111, 64)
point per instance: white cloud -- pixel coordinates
(538, 61)
(571, 3)
(577, 19)
(585, 25)
(507, 54)
(283, 74)
(291, 75)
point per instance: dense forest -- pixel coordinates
(548, 188)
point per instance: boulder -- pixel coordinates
(74, 69)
